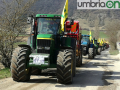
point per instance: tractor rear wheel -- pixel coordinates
(99, 51)
(84, 52)
(91, 53)
(19, 61)
(65, 66)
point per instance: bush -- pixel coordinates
(12, 23)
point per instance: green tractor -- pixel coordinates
(97, 47)
(47, 47)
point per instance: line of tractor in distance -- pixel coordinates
(91, 48)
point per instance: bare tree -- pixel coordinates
(96, 32)
(112, 28)
(12, 24)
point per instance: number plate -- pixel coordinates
(38, 60)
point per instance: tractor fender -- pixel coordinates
(24, 45)
(68, 43)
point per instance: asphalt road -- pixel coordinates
(101, 73)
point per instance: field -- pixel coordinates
(101, 34)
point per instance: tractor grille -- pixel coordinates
(41, 44)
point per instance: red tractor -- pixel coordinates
(74, 32)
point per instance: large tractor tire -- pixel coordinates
(84, 52)
(35, 71)
(102, 48)
(79, 60)
(19, 71)
(95, 53)
(91, 53)
(65, 66)
(106, 47)
(99, 51)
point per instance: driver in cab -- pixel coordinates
(46, 29)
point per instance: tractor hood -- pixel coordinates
(45, 36)
(84, 43)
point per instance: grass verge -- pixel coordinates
(5, 73)
(114, 52)
(16, 44)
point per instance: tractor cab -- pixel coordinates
(44, 28)
(45, 23)
(85, 39)
(96, 42)
(48, 25)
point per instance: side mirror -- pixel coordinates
(29, 19)
(72, 22)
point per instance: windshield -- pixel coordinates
(48, 25)
(95, 41)
(85, 38)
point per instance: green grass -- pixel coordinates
(114, 52)
(101, 34)
(5, 73)
(16, 44)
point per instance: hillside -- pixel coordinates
(86, 17)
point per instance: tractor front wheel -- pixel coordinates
(65, 66)
(99, 51)
(95, 53)
(91, 53)
(84, 52)
(19, 61)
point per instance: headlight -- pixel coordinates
(47, 48)
(39, 47)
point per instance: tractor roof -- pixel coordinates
(48, 15)
(74, 21)
(85, 35)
